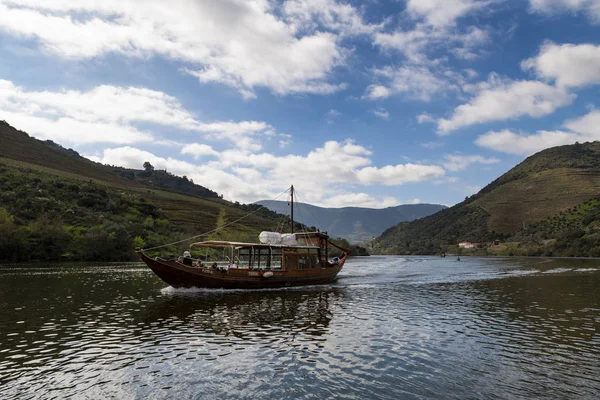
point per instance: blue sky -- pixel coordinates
(363, 103)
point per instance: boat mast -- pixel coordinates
(292, 208)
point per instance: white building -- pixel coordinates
(467, 245)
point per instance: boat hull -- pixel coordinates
(179, 275)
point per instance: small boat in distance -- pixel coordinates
(279, 260)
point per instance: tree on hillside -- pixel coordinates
(148, 167)
(148, 170)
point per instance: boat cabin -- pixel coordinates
(310, 250)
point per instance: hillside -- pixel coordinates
(353, 223)
(42, 182)
(541, 187)
(19, 146)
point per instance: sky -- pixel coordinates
(367, 103)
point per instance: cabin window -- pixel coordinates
(303, 258)
(303, 261)
(314, 260)
(275, 258)
(265, 257)
(311, 256)
(245, 257)
(261, 257)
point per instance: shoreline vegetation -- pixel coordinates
(48, 218)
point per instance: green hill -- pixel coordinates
(17, 145)
(54, 204)
(512, 208)
(356, 224)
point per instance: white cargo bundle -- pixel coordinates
(289, 239)
(270, 237)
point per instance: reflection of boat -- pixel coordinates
(239, 313)
(280, 260)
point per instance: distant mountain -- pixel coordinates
(353, 223)
(544, 205)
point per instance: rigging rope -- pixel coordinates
(303, 224)
(347, 251)
(213, 231)
(281, 222)
(308, 208)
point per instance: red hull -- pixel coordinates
(182, 276)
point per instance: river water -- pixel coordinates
(389, 328)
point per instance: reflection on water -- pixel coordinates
(390, 327)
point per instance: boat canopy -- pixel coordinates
(222, 244)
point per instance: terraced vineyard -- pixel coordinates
(538, 196)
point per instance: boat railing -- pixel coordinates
(221, 264)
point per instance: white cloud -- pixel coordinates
(457, 162)
(443, 13)
(507, 141)
(415, 81)
(69, 131)
(131, 157)
(425, 118)
(105, 114)
(471, 73)
(198, 150)
(398, 174)
(427, 40)
(498, 101)
(418, 43)
(319, 175)
(432, 145)
(583, 129)
(109, 114)
(332, 115)
(328, 14)
(167, 143)
(242, 44)
(286, 140)
(376, 92)
(588, 125)
(590, 7)
(568, 64)
(381, 113)
(359, 200)
(113, 104)
(241, 134)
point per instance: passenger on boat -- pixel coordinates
(187, 258)
(233, 266)
(214, 265)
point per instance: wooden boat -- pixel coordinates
(293, 259)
